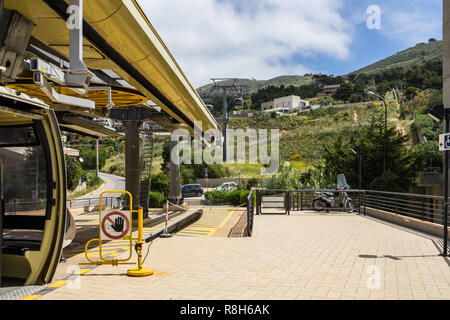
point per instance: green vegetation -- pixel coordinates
(156, 200)
(234, 198)
(189, 173)
(411, 57)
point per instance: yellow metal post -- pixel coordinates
(140, 271)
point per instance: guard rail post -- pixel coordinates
(166, 233)
(288, 202)
(301, 201)
(140, 271)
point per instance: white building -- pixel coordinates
(292, 103)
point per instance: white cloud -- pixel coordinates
(251, 38)
(411, 25)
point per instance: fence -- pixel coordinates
(280, 201)
(18, 205)
(422, 207)
(244, 227)
(112, 202)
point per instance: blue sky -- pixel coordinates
(419, 20)
(263, 39)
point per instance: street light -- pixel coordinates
(371, 93)
(357, 151)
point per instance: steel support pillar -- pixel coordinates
(132, 160)
(446, 100)
(175, 186)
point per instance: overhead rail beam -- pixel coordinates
(60, 7)
(78, 74)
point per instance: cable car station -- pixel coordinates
(64, 63)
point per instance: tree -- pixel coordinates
(400, 170)
(344, 92)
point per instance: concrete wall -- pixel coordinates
(415, 224)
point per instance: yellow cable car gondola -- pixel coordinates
(32, 184)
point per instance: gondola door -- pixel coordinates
(33, 194)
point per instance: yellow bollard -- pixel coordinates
(140, 271)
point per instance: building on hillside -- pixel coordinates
(329, 90)
(267, 106)
(290, 103)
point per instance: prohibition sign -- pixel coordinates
(115, 225)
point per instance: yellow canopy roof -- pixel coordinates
(119, 37)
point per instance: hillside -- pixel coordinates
(307, 134)
(255, 85)
(414, 56)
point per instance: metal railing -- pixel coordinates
(112, 202)
(422, 207)
(279, 201)
(244, 227)
(250, 212)
(18, 205)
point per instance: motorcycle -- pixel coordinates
(325, 200)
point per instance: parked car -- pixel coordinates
(191, 190)
(226, 187)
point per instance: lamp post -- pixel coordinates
(385, 128)
(357, 150)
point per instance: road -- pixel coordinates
(112, 182)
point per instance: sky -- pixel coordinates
(263, 39)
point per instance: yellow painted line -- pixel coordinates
(83, 271)
(223, 223)
(58, 284)
(201, 228)
(194, 232)
(32, 297)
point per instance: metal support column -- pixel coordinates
(175, 186)
(446, 100)
(132, 167)
(225, 124)
(96, 152)
(445, 215)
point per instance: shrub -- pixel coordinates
(251, 183)
(233, 197)
(161, 183)
(74, 172)
(244, 196)
(156, 200)
(92, 179)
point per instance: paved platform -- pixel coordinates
(301, 256)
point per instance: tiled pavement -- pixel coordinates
(302, 256)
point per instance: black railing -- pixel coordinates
(422, 207)
(278, 201)
(250, 212)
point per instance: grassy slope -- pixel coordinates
(407, 58)
(308, 135)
